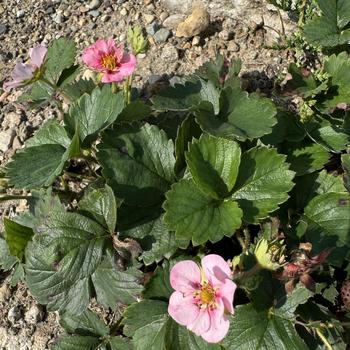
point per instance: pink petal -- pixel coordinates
(182, 309)
(111, 77)
(37, 55)
(91, 58)
(216, 268)
(104, 46)
(119, 52)
(227, 292)
(7, 86)
(201, 324)
(22, 72)
(217, 331)
(128, 64)
(185, 276)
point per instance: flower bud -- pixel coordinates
(269, 255)
(136, 40)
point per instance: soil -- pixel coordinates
(238, 29)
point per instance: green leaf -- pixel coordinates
(158, 287)
(7, 261)
(187, 97)
(37, 166)
(164, 245)
(119, 343)
(61, 259)
(213, 163)
(331, 137)
(241, 116)
(305, 159)
(134, 111)
(330, 29)
(112, 285)
(138, 163)
(197, 216)
(88, 323)
(212, 70)
(92, 113)
(101, 204)
(68, 76)
(329, 215)
(338, 68)
(50, 133)
(78, 88)
(17, 237)
(187, 130)
(150, 327)
(60, 55)
(146, 323)
(18, 274)
(156, 240)
(263, 182)
(77, 343)
(345, 158)
(261, 329)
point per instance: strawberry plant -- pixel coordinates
(204, 217)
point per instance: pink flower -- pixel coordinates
(104, 56)
(203, 295)
(24, 72)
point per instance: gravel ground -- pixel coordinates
(237, 29)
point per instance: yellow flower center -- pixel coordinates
(109, 62)
(207, 295)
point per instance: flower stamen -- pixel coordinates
(109, 62)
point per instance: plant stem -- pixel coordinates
(302, 13)
(324, 339)
(127, 89)
(57, 89)
(256, 268)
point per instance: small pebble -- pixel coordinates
(3, 28)
(58, 18)
(94, 13)
(94, 4)
(14, 314)
(123, 12)
(152, 28)
(196, 40)
(34, 315)
(162, 35)
(20, 13)
(233, 46)
(148, 18)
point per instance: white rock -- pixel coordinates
(6, 138)
(34, 315)
(94, 4)
(173, 21)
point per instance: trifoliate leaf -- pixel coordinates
(36, 166)
(263, 182)
(92, 113)
(213, 163)
(241, 116)
(17, 237)
(78, 88)
(60, 55)
(102, 205)
(187, 97)
(330, 29)
(138, 163)
(197, 216)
